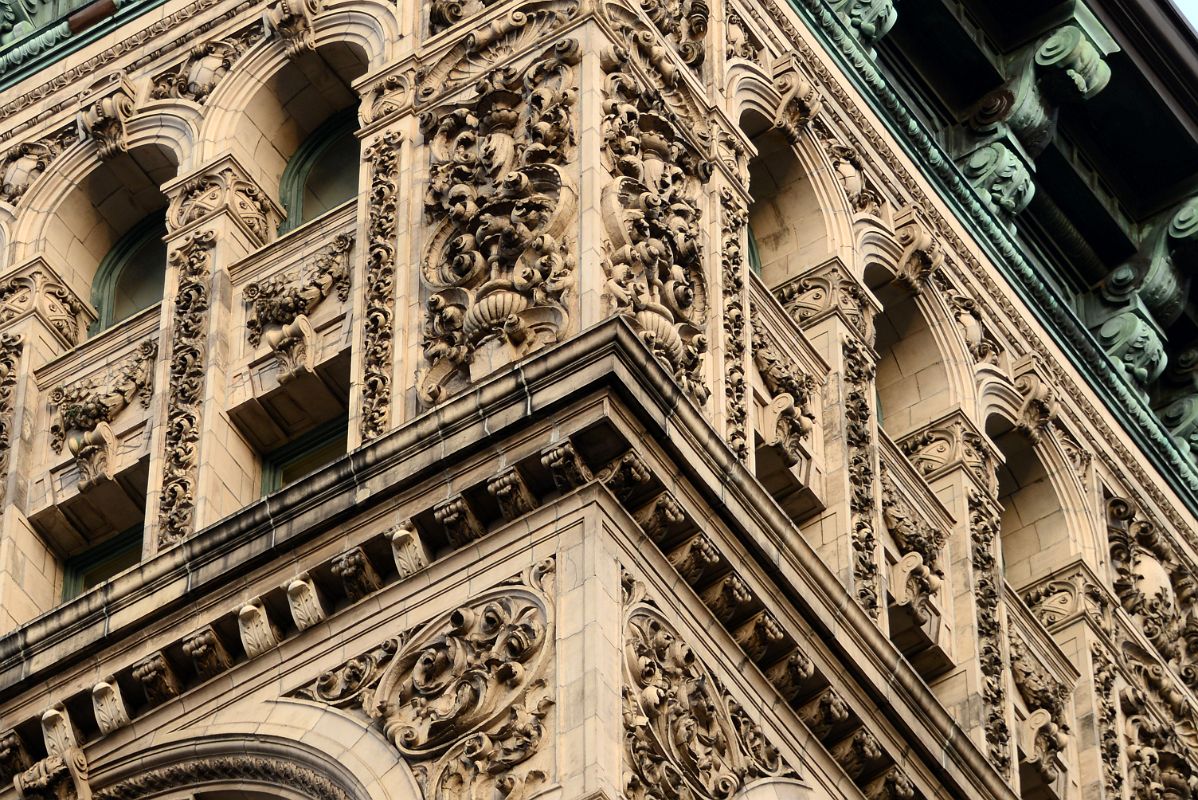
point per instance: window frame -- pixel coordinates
(76, 567)
(277, 460)
(115, 262)
(754, 254)
(299, 167)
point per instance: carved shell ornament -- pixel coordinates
(498, 264)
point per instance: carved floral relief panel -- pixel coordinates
(498, 261)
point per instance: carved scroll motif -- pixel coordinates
(789, 419)
(280, 307)
(498, 268)
(984, 528)
(37, 290)
(684, 734)
(206, 65)
(859, 437)
(466, 697)
(192, 259)
(24, 163)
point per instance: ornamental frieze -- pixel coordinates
(653, 249)
(24, 163)
(498, 266)
(984, 531)
(733, 221)
(280, 307)
(206, 65)
(860, 440)
(465, 698)
(684, 734)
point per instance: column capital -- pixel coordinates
(223, 185)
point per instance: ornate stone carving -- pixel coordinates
(1039, 407)
(11, 345)
(82, 413)
(659, 516)
(191, 258)
(14, 758)
(800, 100)
(893, 784)
(568, 469)
(860, 441)
(981, 343)
(303, 600)
(624, 475)
(733, 221)
(408, 549)
(1107, 720)
(225, 187)
(825, 712)
(382, 227)
(258, 632)
(206, 64)
(684, 734)
(36, 290)
(207, 653)
(653, 253)
(56, 777)
(983, 535)
(292, 21)
(919, 544)
(921, 253)
(444, 14)
(950, 442)
(24, 163)
(157, 678)
(280, 307)
(684, 25)
(357, 574)
(465, 698)
(58, 730)
(1067, 595)
(462, 526)
(694, 557)
(243, 769)
(109, 706)
(826, 289)
(512, 494)
(789, 419)
(849, 167)
(740, 41)
(498, 267)
(1046, 699)
(104, 109)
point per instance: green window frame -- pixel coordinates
(299, 169)
(754, 253)
(99, 563)
(120, 258)
(308, 453)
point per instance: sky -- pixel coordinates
(1190, 9)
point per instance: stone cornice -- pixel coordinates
(608, 356)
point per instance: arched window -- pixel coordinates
(322, 174)
(131, 276)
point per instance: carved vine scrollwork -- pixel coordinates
(983, 534)
(499, 266)
(10, 354)
(280, 307)
(653, 252)
(378, 326)
(192, 259)
(684, 734)
(82, 412)
(790, 419)
(734, 217)
(684, 24)
(859, 437)
(464, 698)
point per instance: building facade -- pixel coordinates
(501, 399)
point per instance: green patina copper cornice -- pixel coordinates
(1046, 305)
